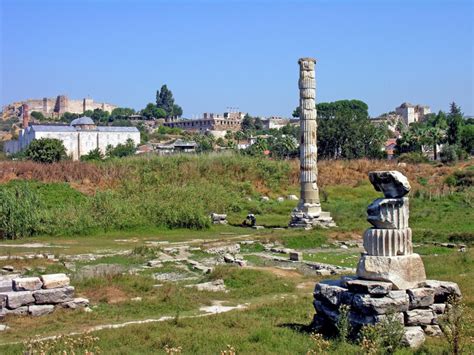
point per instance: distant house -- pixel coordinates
(178, 146)
(389, 147)
(79, 138)
(213, 123)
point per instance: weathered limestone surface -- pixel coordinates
(420, 317)
(55, 295)
(421, 297)
(392, 184)
(443, 289)
(396, 301)
(55, 281)
(27, 284)
(403, 272)
(388, 242)
(377, 288)
(389, 213)
(18, 299)
(6, 285)
(414, 337)
(37, 311)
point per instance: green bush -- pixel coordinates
(460, 179)
(19, 212)
(93, 155)
(449, 154)
(413, 158)
(46, 150)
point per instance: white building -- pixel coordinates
(412, 113)
(79, 138)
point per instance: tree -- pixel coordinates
(455, 122)
(46, 150)
(38, 116)
(284, 147)
(467, 138)
(258, 124)
(121, 113)
(177, 111)
(68, 116)
(165, 101)
(248, 123)
(296, 112)
(153, 112)
(121, 150)
(345, 131)
(100, 116)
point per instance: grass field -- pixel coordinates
(275, 302)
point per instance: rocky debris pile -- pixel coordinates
(417, 308)
(37, 296)
(218, 218)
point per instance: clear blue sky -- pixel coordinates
(214, 54)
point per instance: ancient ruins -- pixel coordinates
(390, 277)
(308, 213)
(37, 296)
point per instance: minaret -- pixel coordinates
(26, 115)
(308, 212)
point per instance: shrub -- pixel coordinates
(387, 334)
(121, 150)
(453, 323)
(460, 178)
(19, 212)
(343, 325)
(413, 158)
(93, 155)
(449, 154)
(46, 150)
(466, 237)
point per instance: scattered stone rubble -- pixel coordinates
(390, 277)
(37, 296)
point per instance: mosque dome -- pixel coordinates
(82, 121)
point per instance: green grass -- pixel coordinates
(346, 259)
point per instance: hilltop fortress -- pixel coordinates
(55, 107)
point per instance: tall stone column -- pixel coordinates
(308, 212)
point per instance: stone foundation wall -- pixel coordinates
(417, 309)
(37, 296)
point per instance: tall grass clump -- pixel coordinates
(19, 212)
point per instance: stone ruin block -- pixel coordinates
(392, 184)
(27, 284)
(421, 297)
(404, 272)
(55, 281)
(42, 310)
(388, 242)
(395, 301)
(218, 218)
(54, 296)
(373, 288)
(443, 289)
(19, 298)
(389, 213)
(420, 317)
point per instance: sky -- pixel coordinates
(219, 54)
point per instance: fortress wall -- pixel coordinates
(75, 106)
